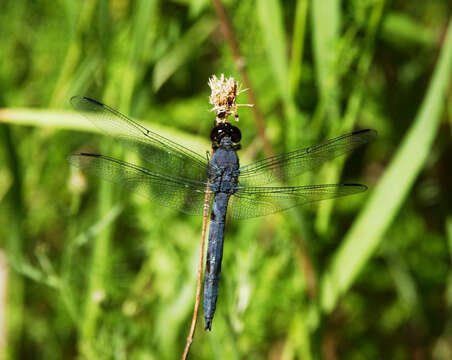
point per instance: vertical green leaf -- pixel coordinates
(368, 229)
(15, 244)
(326, 21)
(145, 14)
(298, 40)
(73, 55)
(272, 25)
(354, 103)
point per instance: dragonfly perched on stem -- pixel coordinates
(175, 176)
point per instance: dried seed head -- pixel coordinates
(223, 97)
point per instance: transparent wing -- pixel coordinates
(170, 191)
(160, 153)
(249, 202)
(296, 162)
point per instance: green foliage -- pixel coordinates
(92, 271)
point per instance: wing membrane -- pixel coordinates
(157, 151)
(170, 191)
(294, 163)
(249, 202)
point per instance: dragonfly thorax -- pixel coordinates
(224, 167)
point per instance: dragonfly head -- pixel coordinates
(225, 134)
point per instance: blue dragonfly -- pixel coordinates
(177, 177)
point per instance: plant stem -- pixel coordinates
(200, 267)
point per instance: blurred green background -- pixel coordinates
(88, 270)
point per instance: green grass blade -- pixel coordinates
(326, 18)
(298, 340)
(99, 270)
(270, 17)
(74, 53)
(182, 51)
(71, 120)
(15, 244)
(298, 40)
(145, 14)
(366, 233)
(271, 23)
(400, 29)
(333, 170)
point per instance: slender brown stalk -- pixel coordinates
(200, 268)
(240, 63)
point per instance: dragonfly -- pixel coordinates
(177, 177)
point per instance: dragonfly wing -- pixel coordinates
(162, 154)
(249, 202)
(171, 191)
(294, 163)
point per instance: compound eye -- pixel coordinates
(217, 132)
(225, 129)
(235, 134)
